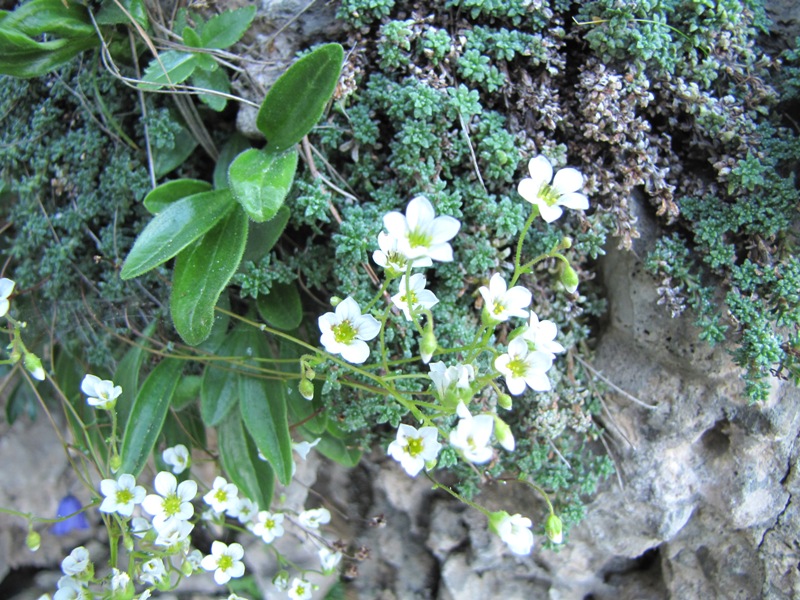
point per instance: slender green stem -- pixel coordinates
(518, 254)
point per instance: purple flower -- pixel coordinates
(69, 504)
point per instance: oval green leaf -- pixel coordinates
(260, 181)
(253, 476)
(296, 101)
(173, 229)
(282, 307)
(220, 390)
(148, 414)
(235, 145)
(201, 272)
(263, 407)
(169, 68)
(161, 197)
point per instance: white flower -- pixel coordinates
(102, 392)
(6, 287)
(244, 510)
(472, 435)
(390, 257)
(119, 580)
(313, 518)
(300, 589)
(541, 335)
(550, 197)
(173, 533)
(222, 495)
(414, 296)
(121, 495)
(500, 303)
(70, 589)
(194, 559)
(346, 331)
(177, 458)
(77, 563)
(328, 559)
(225, 561)
(521, 367)
(513, 530)
(420, 233)
(146, 595)
(268, 526)
(281, 581)
(452, 381)
(140, 527)
(412, 448)
(173, 502)
(153, 571)
(303, 448)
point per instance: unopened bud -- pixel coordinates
(428, 345)
(566, 242)
(187, 569)
(115, 463)
(34, 366)
(310, 374)
(306, 389)
(281, 580)
(504, 401)
(33, 541)
(569, 279)
(335, 301)
(503, 433)
(553, 528)
(127, 543)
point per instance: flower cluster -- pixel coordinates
(419, 238)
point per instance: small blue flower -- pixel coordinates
(68, 505)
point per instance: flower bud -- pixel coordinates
(306, 389)
(34, 366)
(33, 541)
(115, 463)
(503, 433)
(281, 580)
(127, 543)
(310, 374)
(504, 401)
(187, 569)
(553, 528)
(566, 242)
(428, 345)
(569, 279)
(335, 301)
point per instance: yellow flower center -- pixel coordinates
(221, 496)
(171, 505)
(124, 496)
(344, 332)
(518, 367)
(225, 562)
(418, 238)
(415, 446)
(548, 194)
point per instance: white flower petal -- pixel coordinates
(356, 352)
(549, 213)
(574, 201)
(419, 213)
(368, 327)
(444, 229)
(568, 180)
(541, 170)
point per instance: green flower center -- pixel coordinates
(124, 496)
(300, 590)
(415, 446)
(518, 367)
(498, 308)
(269, 524)
(221, 496)
(225, 562)
(344, 332)
(171, 505)
(410, 299)
(418, 238)
(548, 194)
(395, 258)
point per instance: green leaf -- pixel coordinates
(111, 13)
(227, 28)
(201, 272)
(166, 160)
(311, 414)
(169, 68)
(51, 17)
(148, 414)
(173, 229)
(282, 307)
(232, 148)
(127, 374)
(295, 102)
(216, 80)
(187, 392)
(253, 476)
(159, 198)
(263, 236)
(220, 390)
(260, 181)
(263, 408)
